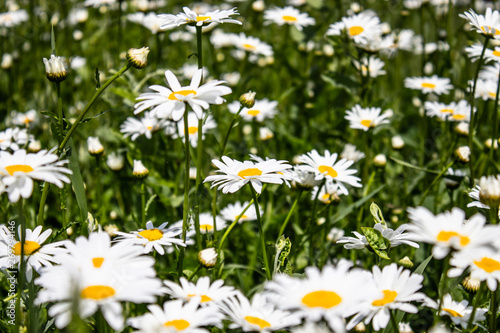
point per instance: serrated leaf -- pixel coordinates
(377, 242)
(377, 214)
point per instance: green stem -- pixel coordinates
(313, 222)
(98, 92)
(472, 116)
(475, 305)
(228, 230)
(282, 230)
(199, 185)
(395, 326)
(59, 111)
(143, 203)
(229, 130)
(194, 273)
(434, 182)
(493, 310)
(41, 208)
(261, 231)
(495, 121)
(22, 270)
(199, 47)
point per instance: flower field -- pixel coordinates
(301, 166)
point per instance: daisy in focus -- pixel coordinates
(146, 126)
(208, 293)
(459, 313)
(232, 211)
(36, 254)
(193, 129)
(17, 171)
(432, 84)
(261, 110)
(235, 174)
(169, 21)
(288, 15)
(395, 237)
(487, 25)
(366, 118)
(165, 102)
(153, 238)
(258, 315)
(360, 27)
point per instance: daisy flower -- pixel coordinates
(485, 89)
(395, 288)
(14, 138)
(330, 192)
(26, 119)
(18, 170)
(261, 110)
(351, 153)
(454, 111)
(190, 17)
(177, 317)
(487, 25)
(459, 313)
(193, 129)
(236, 174)
(13, 18)
(304, 178)
(36, 254)
(145, 126)
(360, 27)
(288, 15)
(474, 52)
(150, 21)
(167, 102)
(364, 119)
(207, 223)
(258, 315)
(328, 167)
(450, 230)
(206, 292)
(252, 45)
(432, 84)
(232, 211)
(490, 73)
(396, 237)
(153, 238)
(371, 66)
(484, 265)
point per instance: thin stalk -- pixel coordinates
(434, 182)
(22, 271)
(312, 223)
(283, 227)
(475, 305)
(442, 285)
(199, 164)
(41, 208)
(143, 203)
(472, 116)
(98, 92)
(229, 130)
(59, 110)
(193, 274)
(493, 310)
(495, 121)
(395, 326)
(98, 180)
(199, 47)
(262, 236)
(228, 230)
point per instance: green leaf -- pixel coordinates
(377, 242)
(346, 211)
(421, 267)
(53, 40)
(377, 214)
(77, 181)
(86, 119)
(316, 4)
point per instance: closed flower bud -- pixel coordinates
(111, 229)
(54, 69)
(207, 257)
(115, 161)
(463, 154)
(360, 328)
(397, 142)
(248, 99)
(471, 285)
(380, 161)
(406, 262)
(95, 146)
(489, 194)
(462, 129)
(138, 58)
(140, 170)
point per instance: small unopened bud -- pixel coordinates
(34, 146)
(115, 161)
(140, 170)
(489, 194)
(397, 142)
(192, 173)
(258, 5)
(462, 129)
(248, 99)
(404, 328)
(207, 257)
(138, 58)
(54, 69)
(380, 161)
(471, 285)
(406, 262)
(111, 229)
(265, 133)
(95, 146)
(463, 154)
(361, 327)
(490, 142)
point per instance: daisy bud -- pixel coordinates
(489, 142)
(248, 99)
(471, 285)
(54, 69)
(247, 129)
(7, 61)
(328, 50)
(208, 257)
(192, 173)
(380, 161)
(397, 142)
(463, 154)
(355, 7)
(360, 327)
(34, 146)
(95, 146)
(462, 129)
(113, 215)
(140, 170)
(258, 5)
(321, 221)
(111, 229)
(404, 328)
(115, 162)
(406, 262)
(138, 58)
(265, 133)
(489, 194)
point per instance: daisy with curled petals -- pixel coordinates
(153, 238)
(487, 25)
(236, 174)
(459, 313)
(177, 317)
(288, 15)
(395, 289)
(261, 110)
(18, 170)
(145, 126)
(453, 112)
(484, 265)
(328, 167)
(360, 27)
(209, 294)
(258, 315)
(450, 230)
(366, 118)
(36, 254)
(395, 237)
(432, 84)
(165, 102)
(322, 294)
(169, 21)
(232, 211)
(253, 45)
(474, 194)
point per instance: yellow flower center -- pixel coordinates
(180, 92)
(192, 130)
(242, 217)
(202, 18)
(97, 262)
(97, 292)
(329, 170)
(453, 313)
(178, 324)
(249, 47)
(487, 264)
(445, 236)
(29, 248)
(496, 53)
(492, 94)
(18, 168)
(204, 298)
(487, 30)
(428, 85)
(447, 111)
(366, 122)
(151, 234)
(253, 113)
(250, 172)
(289, 19)
(326, 197)
(321, 299)
(458, 117)
(26, 120)
(389, 297)
(206, 227)
(257, 321)
(149, 128)
(355, 30)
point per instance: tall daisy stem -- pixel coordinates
(313, 222)
(283, 227)
(22, 271)
(493, 310)
(236, 116)
(395, 326)
(228, 230)
(495, 121)
(143, 203)
(475, 305)
(199, 155)
(472, 116)
(261, 231)
(41, 208)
